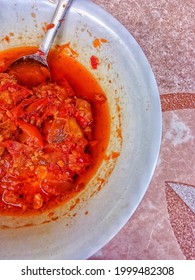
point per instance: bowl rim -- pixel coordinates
(125, 214)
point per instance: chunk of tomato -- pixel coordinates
(32, 131)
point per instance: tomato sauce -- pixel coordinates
(53, 137)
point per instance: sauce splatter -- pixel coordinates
(94, 62)
(97, 42)
(50, 26)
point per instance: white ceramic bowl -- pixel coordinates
(73, 234)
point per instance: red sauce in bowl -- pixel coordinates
(53, 137)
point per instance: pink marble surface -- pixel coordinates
(163, 225)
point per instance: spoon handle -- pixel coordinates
(59, 14)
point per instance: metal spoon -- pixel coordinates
(31, 70)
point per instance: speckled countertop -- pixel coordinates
(163, 225)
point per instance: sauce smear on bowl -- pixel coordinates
(53, 137)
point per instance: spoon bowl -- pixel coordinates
(30, 70)
(33, 70)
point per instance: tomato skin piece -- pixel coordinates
(32, 132)
(19, 109)
(57, 133)
(36, 105)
